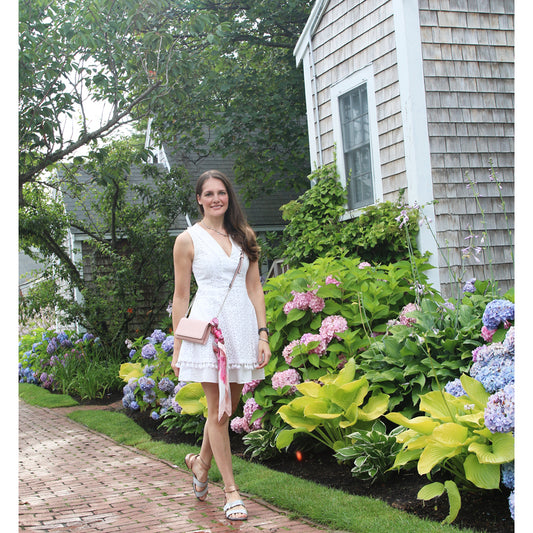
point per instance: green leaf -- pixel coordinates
(434, 454)
(454, 499)
(428, 492)
(500, 451)
(475, 390)
(484, 476)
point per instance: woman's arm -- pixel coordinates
(183, 257)
(257, 297)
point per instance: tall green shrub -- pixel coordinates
(315, 228)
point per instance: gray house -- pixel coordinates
(419, 95)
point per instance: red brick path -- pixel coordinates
(74, 479)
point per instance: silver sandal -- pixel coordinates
(200, 488)
(229, 507)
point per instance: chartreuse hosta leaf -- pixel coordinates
(434, 490)
(334, 406)
(421, 424)
(475, 391)
(484, 476)
(192, 399)
(500, 451)
(130, 370)
(434, 454)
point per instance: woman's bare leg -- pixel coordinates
(218, 436)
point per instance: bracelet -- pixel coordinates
(264, 340)
(263, 329)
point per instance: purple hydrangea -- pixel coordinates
(52, 346)
(146, 384)
(455, 388)
(149, 396)
(168, 344)
(166, 385)
(499, 412)
(154, 415)
(134, 405)
(132, 353)
(128, 398)
(158, 336)
(148, 351)
(87, 336)
(148, 370)
(497, 312)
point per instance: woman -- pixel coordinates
(211, 249)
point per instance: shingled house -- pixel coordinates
(418, 95)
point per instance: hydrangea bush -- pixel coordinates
(468, 429)
(65, 362)
(151, 384)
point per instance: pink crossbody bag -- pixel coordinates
(196, 330)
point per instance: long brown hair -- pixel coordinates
(235, 222)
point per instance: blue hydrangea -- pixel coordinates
(134, 405)
(495, 373)
(507, 470)
(158, 336)
(508, 343)
(87, 336)
(128, 398)
(148, 370)
(511, 504)
(52, 346)
(148, 351)
(62, 337)
(168, 344)
(34, 346)
(154, 415)
(132, 353)
(149, 396)
(499, 412)
(455, 388)
(132, 383)
(146, 384)
(166, 385)
(496, 312)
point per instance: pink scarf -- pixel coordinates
(224, 395)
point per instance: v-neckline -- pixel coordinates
(218, 244)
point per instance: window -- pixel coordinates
(355, 132)
(356, 147)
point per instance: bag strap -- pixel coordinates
(237, 270)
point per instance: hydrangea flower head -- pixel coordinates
(455, 388)
(487, 333)
(286, 377)
(154, 415)
(287, 351)
(495, 373)
(149, 396)
(240, 425)
(304, 301)
(148, 351)
(332, 325)
(498, 312)
(331, 280)
(310, 337)
(507, 472)
(166, 385)
(250, 386)
(168, 344)
(508, 343)
(499, 412)
(87, 336)
(363, 264)
(146, 384)
(158, 336)
(511, 504)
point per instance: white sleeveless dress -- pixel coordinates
(213, 271)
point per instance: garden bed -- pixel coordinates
(484, 511)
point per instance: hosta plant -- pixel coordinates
(330, 408)
(452, 436)
(372, 453)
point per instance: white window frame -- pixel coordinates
(364, 75)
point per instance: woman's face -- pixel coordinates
(214, 198)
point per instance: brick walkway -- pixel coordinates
(74, 479)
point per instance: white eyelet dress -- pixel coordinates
(213, 271)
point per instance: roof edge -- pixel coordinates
(309, 29)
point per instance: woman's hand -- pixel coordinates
(263, 355)
(175, 368)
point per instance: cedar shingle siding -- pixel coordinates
(467, 58)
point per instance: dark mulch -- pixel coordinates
(484, 511)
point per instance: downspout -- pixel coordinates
(315, 92)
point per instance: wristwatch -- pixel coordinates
(263, 329)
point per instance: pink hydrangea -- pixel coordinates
(363, 264)
(332, 325)
(331, 280)
(240, 425)
(487, 333)
(304, 301)
(250, 386)
(310, 337)
(286, 377)
(250, 407)
(287, 351)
